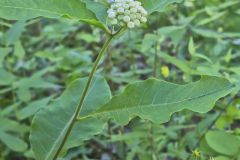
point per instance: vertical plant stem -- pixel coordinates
(84, 94)
(90, 78)
(155, 60)
(152, 146)
(150, 129)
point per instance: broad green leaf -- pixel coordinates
(13, 142)
(214, 17)
(10, 108)
(7, 78)
(194, 54)
(176, 33)
(183, 65)
(32, 108)
(230, 145)
(34, 82)
(25, 9)
(14, 33)
(191, 47)
(24, 94)
(221, 158)
(237, 83)
(157, 5)
(51, 124)
(84, 130)
(29, 154)
(204, 147)
(99, 9)
(8, 125)
(211, 70)
(157, 100)
(228, 57)
(148, 41)
(213, 34)
(3, 53)
(19, 50)
(128, 136)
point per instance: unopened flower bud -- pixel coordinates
(126, 6)
(120, 10)
(133, 16)
(118, 5)
(122, 24)
(111, 15)
(128, 13)
(132, 4)
(114, 21)
(120, 17)
(143, 19)
(138, 16)
(110, 10)
(133, 10)
(131, 25)
(144, 12)
(137, 22)
(126, 18)
(138, 3)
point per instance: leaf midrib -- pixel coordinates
(49, 154)
(160, 104)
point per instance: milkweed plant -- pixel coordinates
(87, 103)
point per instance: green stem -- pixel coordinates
(85, 91)
(155, 60)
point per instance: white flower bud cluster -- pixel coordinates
(128, 13)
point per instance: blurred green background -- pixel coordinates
(40, 57)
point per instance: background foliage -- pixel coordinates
(39, 58)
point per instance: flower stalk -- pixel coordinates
(85, 91)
